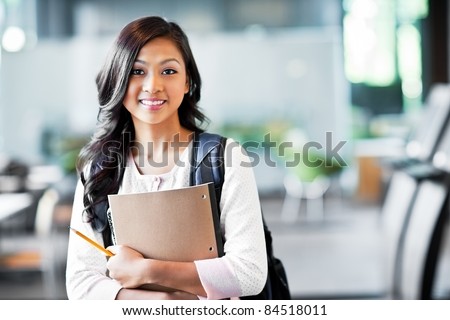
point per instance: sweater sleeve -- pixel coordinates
(242, 270)
(86, 266)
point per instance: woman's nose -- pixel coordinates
(151, 84)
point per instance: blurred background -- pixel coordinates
(365, 81)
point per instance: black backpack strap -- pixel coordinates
(208, 161)
(208, 166)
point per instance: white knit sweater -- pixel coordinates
(241, 271)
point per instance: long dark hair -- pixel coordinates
(102, 160)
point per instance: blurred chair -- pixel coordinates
(413, 219)
(395, 211)
(423, 141)
(35, 252)
(414, 212)
(422, 241)
(312, 192)
(415, 203)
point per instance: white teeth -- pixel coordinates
(152, 103)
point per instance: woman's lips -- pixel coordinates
(152, 104)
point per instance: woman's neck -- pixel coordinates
(159, 144)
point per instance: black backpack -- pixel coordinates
(208, 166)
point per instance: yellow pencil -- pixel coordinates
(95, 244)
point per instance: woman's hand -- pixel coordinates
(132, 270)
(127, 266)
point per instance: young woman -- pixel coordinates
(148, 91)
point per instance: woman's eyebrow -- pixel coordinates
(161, 62)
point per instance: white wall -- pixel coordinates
(51, 85)
(294, 75)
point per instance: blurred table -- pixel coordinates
(369, 154)
(12, 203)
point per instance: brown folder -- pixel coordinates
(174, 225)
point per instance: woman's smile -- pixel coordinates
(152, 104)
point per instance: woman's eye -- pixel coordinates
(169, 71)
(137, 72)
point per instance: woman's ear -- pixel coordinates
(187, 86)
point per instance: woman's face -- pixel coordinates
(157, 83)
